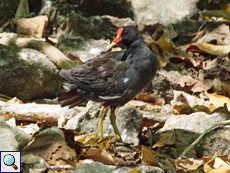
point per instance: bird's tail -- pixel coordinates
(68, 94)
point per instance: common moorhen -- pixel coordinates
(113, 78)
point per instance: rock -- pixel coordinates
(50, 144)
(128, 122)
(148, 13)
(191, 126)
(12, 139)
(160, 115)
(66, 21)
(217, 141)
(27, 74)
(164, 83)
(185, 28)
(119, 22)
(33, 163)
(85, 49)
(117, 8)
(21, 137)
(8, 140)
(7, 10)
(94, 167)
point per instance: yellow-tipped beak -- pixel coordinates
(113, 44)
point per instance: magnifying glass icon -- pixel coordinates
(9, 160)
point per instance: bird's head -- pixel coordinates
(127, 35)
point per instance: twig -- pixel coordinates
(50, 51)
(214, 126)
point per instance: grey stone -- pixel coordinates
(157, 116)
(119, 22)
(85, 49)
(164, 83)
(192, 125)
(27, 74)
(65, 21)
(33, 163)
(217, 141)
(94, 167)
(148, 13)
(21, 137)
(8, 140)
(128, 121)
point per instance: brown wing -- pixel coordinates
(98, 74)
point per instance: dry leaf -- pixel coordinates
(219, 101)
(15, 100)
(162, 56)
(226, 8)
(188, 60)
(146, 98)
(217, 50)
(221, 35)
(148, 155)
(98, 154)
(221, 166)
(219, 86)
(216, 163)
(165, 44)
(197, 86)
(182, 108)
(165, 139)
(31, 27)
(134, 171)
(226, 90)
(190, 164)
(93, 139)
(208, 165)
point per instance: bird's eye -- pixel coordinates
(125, 32)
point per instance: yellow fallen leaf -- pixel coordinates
(219, 101)
(221, 166)
(134, 171)
(93, 139)
(226, 8)
(208, 166)
(218, 50)
(164, 44)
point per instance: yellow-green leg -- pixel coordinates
(101, 119)
(113, 122)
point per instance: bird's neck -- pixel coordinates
(135, 46)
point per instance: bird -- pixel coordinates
(113, 78)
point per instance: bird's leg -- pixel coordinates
(113, 122)
(101, 119)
